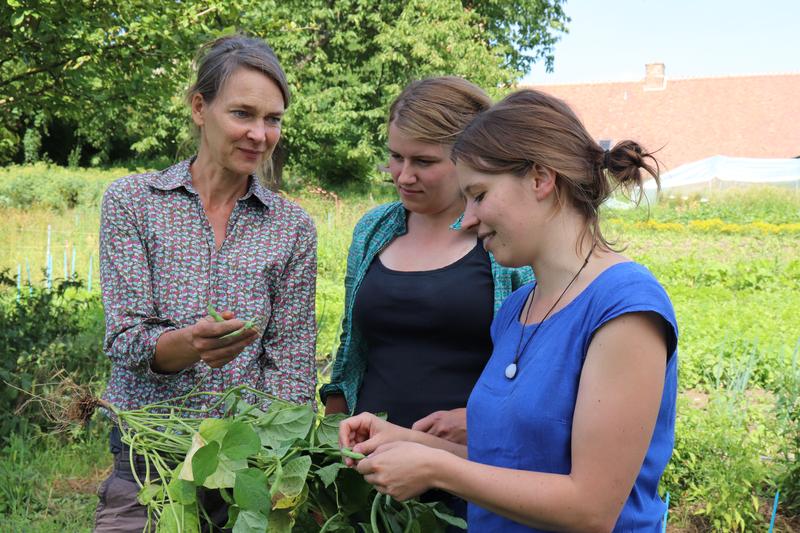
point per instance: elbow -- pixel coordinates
(597, 521)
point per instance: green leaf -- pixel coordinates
(250, 522)
(280, 521)
(241, 441)
(204, 462)
(182, 491)
(215, 429)
(352, 491)
(290, 423)
(186, 469)
(288, 485)
(225, 474)
(233, 514)
(327, 474)
(177, 518)
(328, 430)
(250, 490)
(449, 519)
(148, 492)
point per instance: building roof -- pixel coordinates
(693, 118)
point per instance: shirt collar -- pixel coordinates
(178, 175)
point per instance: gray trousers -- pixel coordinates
(118, 511)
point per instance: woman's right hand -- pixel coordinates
(365, 432)
(205, 337)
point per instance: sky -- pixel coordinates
(612, 40)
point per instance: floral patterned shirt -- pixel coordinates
(160, 269)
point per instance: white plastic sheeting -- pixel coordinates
(720, 172)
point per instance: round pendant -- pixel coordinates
(511, 371)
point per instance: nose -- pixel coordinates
(406, 175)
(470, 219)
(257, 132)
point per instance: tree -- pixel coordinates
(117, 70)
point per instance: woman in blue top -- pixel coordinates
(419, 296)
(571, 423)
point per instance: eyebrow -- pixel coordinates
(417, 156)
(469, 188)
(248, 107)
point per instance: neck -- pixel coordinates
(215, 184)
(436, 222)
(561, 254)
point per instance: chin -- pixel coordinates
(506, 259)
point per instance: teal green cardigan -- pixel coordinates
(373, 233)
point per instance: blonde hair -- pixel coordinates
(530, 127)
(436, 110)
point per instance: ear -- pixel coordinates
(544, 181)
(198, 109)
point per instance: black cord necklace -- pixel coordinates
(511, 369)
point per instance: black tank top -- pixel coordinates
(427, 336)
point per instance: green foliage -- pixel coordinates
(52, 187)
(788, 409)
(48, 483)
(44, 332)
(273, 467)
(32, 145)
(716, 469)
(742, 205)
(115, 72)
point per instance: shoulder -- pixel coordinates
(380, 214)
(631, 288)
(131, 185)
(129, 195)
(384, 219)
(289, 212)
(631, 282)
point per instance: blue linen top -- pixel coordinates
(374, 232)
(526, 423)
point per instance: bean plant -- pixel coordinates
(279, 469)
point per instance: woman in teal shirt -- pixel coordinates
(405, 298)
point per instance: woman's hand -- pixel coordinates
(449, 425)
(206, 339)
(365, 432)
(401, 469)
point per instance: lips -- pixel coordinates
(251, 154)
(409, 191)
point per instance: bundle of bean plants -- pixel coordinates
(279, 469)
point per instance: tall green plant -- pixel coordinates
(45, 331)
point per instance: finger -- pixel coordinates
(424, 424)
(368, 446)
(350, 428)
(217, 358)
(365, 467)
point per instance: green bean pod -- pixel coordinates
(213, 312)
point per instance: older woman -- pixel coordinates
(201, 232)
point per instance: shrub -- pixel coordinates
(44, 332)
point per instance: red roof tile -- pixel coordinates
(694, 118)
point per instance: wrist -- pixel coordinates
(439, 466)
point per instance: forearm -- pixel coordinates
(552, 502)
(433, 441)
(174, 352)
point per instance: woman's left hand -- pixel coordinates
(402, 470)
